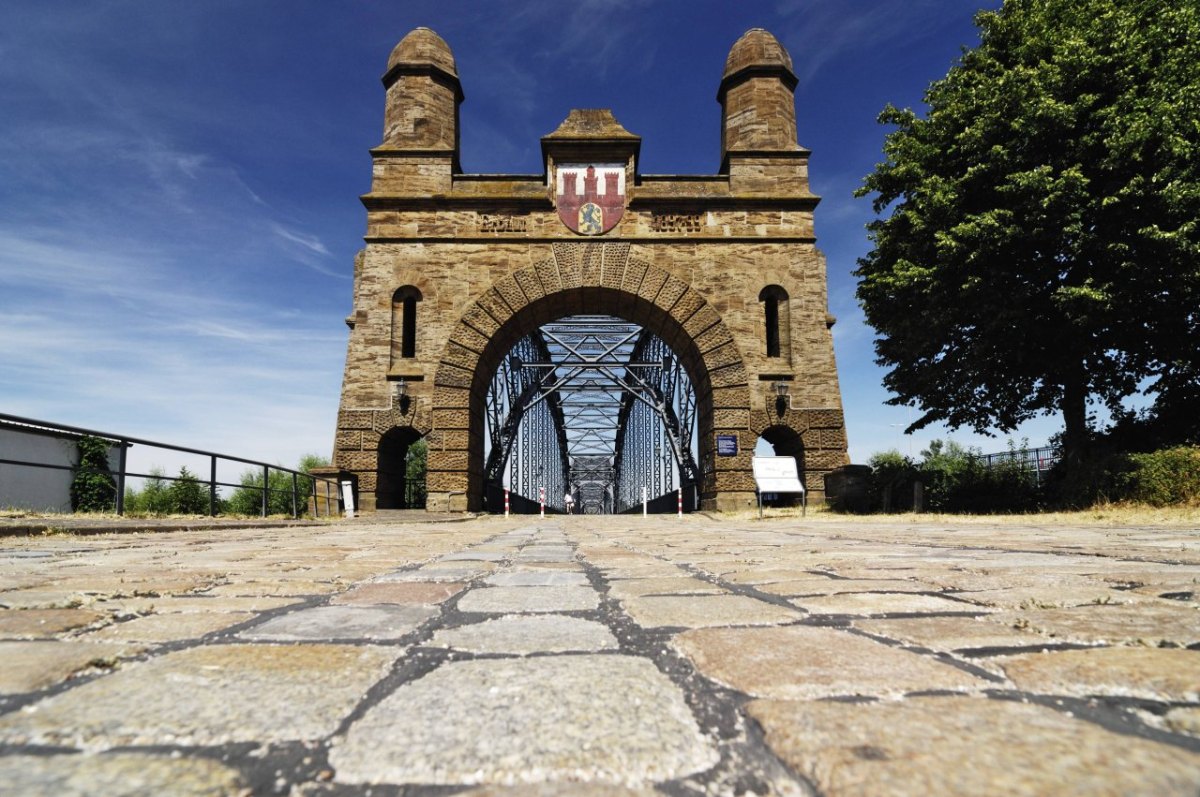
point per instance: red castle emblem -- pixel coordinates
(590, 197)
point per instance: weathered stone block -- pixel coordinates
(635, 272)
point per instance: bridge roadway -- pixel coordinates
(603, 656)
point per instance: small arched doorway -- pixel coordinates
(400, 480)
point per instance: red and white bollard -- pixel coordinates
(506, 503)
(681, 503)
(542, 501)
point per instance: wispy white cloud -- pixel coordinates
(820, 31)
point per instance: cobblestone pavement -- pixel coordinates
(602, 656)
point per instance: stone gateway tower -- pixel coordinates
(721, 270)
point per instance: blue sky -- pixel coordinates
(179, 182)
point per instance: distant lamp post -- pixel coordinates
(781, 397)
(400, 389)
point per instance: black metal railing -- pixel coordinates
(122, 474)
(414, 492)
(1037, 461)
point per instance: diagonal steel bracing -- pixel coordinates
(593, 404)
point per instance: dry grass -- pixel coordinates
(1099, 515)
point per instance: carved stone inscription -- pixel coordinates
(676, 222)
(502, 223)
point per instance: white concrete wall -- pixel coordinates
(39, 489)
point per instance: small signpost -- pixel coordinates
(727, 445)
(778, 475)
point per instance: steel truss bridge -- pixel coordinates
(595, 405)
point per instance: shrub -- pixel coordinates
(187, 495)
(154, 498)
(93, 488)
(1161, 478)
(957, 479)
(892, 479)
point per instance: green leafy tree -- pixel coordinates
(153, 498)
(414, 473)
(1042, 248)
(247, 499)
(93, 488)
(187, 496)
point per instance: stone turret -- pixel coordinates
(423, 95)
(758, 109)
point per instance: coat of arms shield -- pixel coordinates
(590, 197)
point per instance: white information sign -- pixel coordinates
(777, 475)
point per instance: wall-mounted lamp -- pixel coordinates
(400, 388)
(781, 397)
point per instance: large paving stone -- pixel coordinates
(428, 592)
(1049, 596)
(1154, 673)
(680, 585)
(768, 575)
(117, 775)
(342, 622)
(805, 662)
(192, 603)
(476, 556)
(537, 578)
(283, 588)
(606, 718)
(45, 598)
(44, 623)
(209, 695)
(698, 611)
(1140, 623)
(521, 635)
(167, 627)
(503, 600)
(967, 746)
(545, 555)
(436, 574)
(28, 666)
(873, 603)
(951, 633)
(562, 789)
(818, 585)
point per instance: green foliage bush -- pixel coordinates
(187, 495)
(953, 478)
(892, 478)
(183, 495)
(153, 499)
(1161, 478)
(93, 488)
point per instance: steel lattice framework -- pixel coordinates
(594, 404)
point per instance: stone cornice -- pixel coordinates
(665, 239)
(543, 202)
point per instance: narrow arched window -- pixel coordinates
(772, 297)
(404, 322)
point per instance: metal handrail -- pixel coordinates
(124, 441)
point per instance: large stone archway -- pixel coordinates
(588, 278)
(723, 267)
